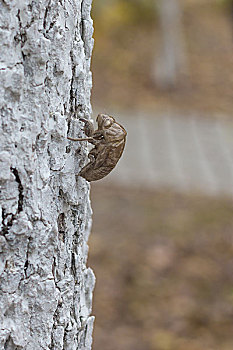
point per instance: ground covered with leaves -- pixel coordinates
(164, 265)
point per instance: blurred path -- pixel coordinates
(184, 153)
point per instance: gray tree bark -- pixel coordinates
(45, 286)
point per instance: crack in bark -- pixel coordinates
(5, 225)
(5, 4)
(10, 345)
(11, 217)
(61, 226)
(72, 95)
(55, 323)
(59, 306)
(20, 189)
(52, 23)
(22, 36)
(46, 15)
(11, 67)
(81, 23)
(26, 264)
(72, 266)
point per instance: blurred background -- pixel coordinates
(162, 237)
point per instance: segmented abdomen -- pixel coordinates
(95, 174)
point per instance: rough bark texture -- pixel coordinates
(45, 286)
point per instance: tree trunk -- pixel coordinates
(171, 60)
(45, 286)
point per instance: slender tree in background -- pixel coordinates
(231, 13)
(45, 286)
(171, 58)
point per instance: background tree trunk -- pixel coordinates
(45, 286)
(171, 59)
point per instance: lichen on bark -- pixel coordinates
(45, 214)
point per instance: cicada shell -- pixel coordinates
(109, 142)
